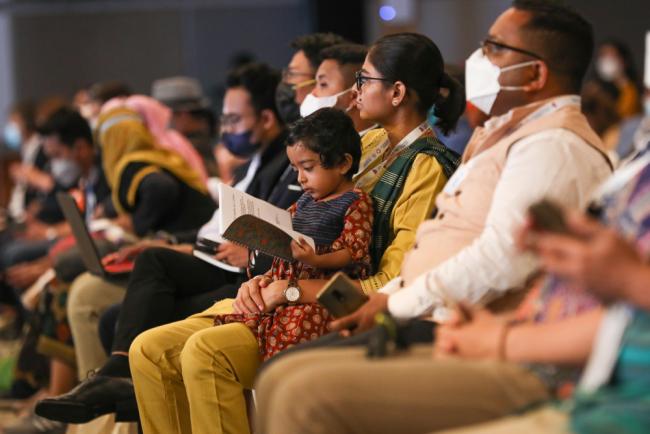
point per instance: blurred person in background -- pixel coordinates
(615, 64)
(191, 115)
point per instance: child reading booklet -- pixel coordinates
(325, 149)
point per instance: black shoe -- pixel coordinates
(92, 398)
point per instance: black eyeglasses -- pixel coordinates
(361, 79)
(490, 46)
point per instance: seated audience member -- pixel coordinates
(615, 64)
(335, 84)
(67, 135)
(635, 132)
(98, 95)
(599, 106)
(299, 77)
(324, 148)
(156, 118)
(20, 135)
(152, 186)
(165, 277)
(612, 395)
(467, 251)
(398, 102)
(484, 366)
(162, 276)
(37, 232)
(191, 114)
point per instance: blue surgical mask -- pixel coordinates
(12, 137)
(239, 144)
(66, 172)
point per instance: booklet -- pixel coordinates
(257, 224)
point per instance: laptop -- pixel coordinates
(89, 254)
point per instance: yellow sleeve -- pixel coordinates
(414, 205)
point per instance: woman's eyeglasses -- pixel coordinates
(361, 79)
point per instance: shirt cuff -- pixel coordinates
(371, 285)
(392, 287)
(415, 300)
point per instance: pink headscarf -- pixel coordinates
(156, 117)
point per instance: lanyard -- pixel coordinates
(546, 109)
(403, 144)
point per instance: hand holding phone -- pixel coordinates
(547, 216)
(340, 296)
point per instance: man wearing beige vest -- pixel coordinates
(536, 145)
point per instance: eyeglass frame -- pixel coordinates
(360, 79)
(488, 41)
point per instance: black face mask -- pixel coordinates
(285, 102)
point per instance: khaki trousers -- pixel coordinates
(545, 420)
(88, 299)
(341, 391)
(190, 376)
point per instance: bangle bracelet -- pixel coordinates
(503, 340)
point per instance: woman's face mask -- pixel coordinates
(12, 137)
(482, 80)
(313, 103)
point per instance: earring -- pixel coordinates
(395, 102)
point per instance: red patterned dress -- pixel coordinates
(344, 222)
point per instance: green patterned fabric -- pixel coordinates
(623, 406)
(389, 188)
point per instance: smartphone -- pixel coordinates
(340, 296)
(207, 246)
(548, 216)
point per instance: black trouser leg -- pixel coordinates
(159, 278)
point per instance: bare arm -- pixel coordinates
(483, 335)
(329, 261)
(562, 342)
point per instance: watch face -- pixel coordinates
(292, 293)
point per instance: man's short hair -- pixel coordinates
(345, 54)
(562, 37)
(68, 125)
(260, 81)
(314, 43)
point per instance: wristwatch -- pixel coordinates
(293, 292)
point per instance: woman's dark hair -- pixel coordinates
(416, 61)
(330, 133)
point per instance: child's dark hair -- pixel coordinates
(330, 133)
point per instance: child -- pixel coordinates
(325, 149)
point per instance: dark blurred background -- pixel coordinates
(53, 47)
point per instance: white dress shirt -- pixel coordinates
(555, 164)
